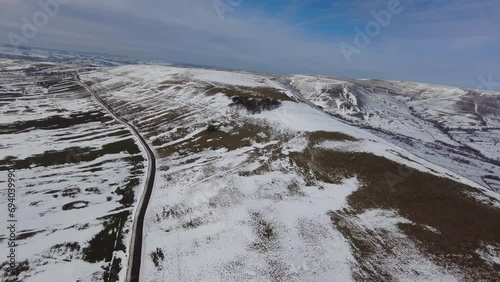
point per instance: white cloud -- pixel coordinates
(191, 32)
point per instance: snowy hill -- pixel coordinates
(259, 177)
(456, 128)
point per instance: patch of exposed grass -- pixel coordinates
(74, 246)
(27, 234)
(111, 271)
(75, 205)
(70, 155)
(264, 231)
(175, 82)
(192, 223)
(127, 145)
(172, 212)
(272, 152)
(71, 192)
(317, 137)
(166, 118)
(158, 256)
(368, 250)
(179, 132)
(127, 192)
(66, 251)
(241, 136)
(92, 135)
(102, 245)
(93, 190)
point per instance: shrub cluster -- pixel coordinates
(212, 128)
(255, 105)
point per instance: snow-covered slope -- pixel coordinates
(286, 194)
(456, 128)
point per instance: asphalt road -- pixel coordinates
(135, 257)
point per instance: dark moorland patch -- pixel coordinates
(111, 271)
(70, 155)
(179, 133)
(110, 239)
(101, 247)
(249, 92)
(253, 105)
(240, 136)
(127, 192)
(55, 122)
(317, 137)
(71, 192)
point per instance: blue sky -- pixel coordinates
(436, 41)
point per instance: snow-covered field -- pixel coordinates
(78, 174)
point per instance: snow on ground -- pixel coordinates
(68, 172)
(248, 198)
(230, 205)
(382, 225)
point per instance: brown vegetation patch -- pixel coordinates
(54, 122)
(70, 155)
(317, 137)
(240, 136)
(179, 133)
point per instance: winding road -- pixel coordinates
(135, 254)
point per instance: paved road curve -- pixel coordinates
(135, 255)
